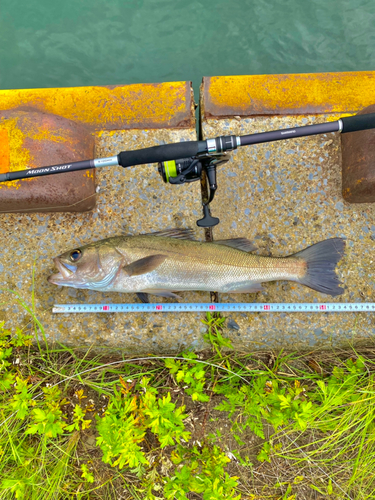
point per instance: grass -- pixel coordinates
(215, 425)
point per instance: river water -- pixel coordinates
(89, 42)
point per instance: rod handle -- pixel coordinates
(358, 122)
(158, 154)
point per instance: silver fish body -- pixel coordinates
(166, 262)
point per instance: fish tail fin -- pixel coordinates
(321, 260)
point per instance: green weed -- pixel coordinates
(153, 427)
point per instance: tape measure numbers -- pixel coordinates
(317, 307)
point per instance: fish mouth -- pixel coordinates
(63, 275)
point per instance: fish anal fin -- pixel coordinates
(239, 243)
(145, 265)
(182, 234)
(245, 287)
(162, 293)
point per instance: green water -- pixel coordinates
(45, 43)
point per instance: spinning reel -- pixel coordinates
(191, 170)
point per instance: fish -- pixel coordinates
(170, 261)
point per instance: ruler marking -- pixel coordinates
(193, 307)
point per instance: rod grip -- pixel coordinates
(358, 122)
(158, 154)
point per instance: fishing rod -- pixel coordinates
(186, 161)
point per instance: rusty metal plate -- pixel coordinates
(111, 107)
(30, 138)
(358, 164)
(293, 94)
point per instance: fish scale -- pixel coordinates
(207, 266)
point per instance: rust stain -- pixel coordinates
(310, 93)
(36, 139)
(159, 105)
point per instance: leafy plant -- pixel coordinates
(86, 474)
(129, 416)
(21, 400)
(190, 373)
(7, 345)
(79, 422)
(47, 419)
(215, 324)
(201, 470)
(320, 424)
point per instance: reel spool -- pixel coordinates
(180, 171)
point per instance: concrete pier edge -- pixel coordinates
(283, 196)
(287, 195)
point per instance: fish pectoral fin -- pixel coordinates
(145, 265)
(162, 293)
(245, 287)
(239, 243)
(143, 297)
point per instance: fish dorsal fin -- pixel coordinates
(182, 234)
(238, 243)
(145, 265)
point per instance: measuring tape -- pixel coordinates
(209, 307)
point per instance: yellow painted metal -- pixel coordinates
(4, 151)
(308, 93)
(17, 156)
(110, 107)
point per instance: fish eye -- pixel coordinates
(75, 255)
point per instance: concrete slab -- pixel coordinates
(285, 196)
(132, 201)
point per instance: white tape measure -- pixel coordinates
(317, 307)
